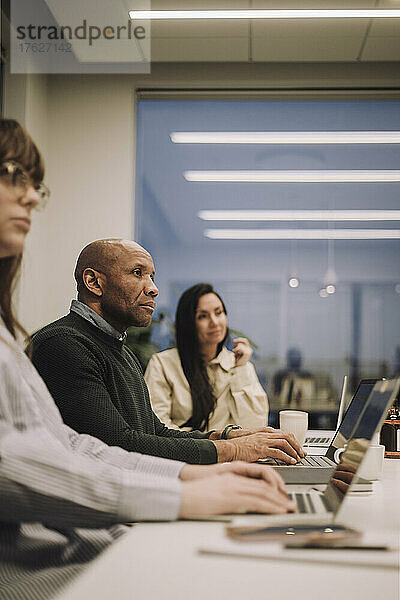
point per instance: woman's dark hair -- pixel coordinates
(16, 145)
(193, 364)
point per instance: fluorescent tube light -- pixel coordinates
(299, 215)
(372, 13)
(285, 137)
(284, 176)
(302, 234)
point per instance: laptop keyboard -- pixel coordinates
(305, 503)
(307, 461)
(317, 440)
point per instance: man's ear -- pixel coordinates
(93, 281)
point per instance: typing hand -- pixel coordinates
(229, 492)
(191, 472)
(241, 432)
(277, 433)
(251, 448)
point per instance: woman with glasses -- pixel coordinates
(63, 495)
(200, 384)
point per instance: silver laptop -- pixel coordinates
(318, 469)
(318, 439)
(323, 508)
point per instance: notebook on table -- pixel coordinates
(323, 508)
(318, 469)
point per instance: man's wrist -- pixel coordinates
(215, 435)
(226, 431)
(226, 451)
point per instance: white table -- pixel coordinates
(161, 560)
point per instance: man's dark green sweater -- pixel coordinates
(99, 388)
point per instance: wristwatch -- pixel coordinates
(227, 429)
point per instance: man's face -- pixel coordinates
(129, 291)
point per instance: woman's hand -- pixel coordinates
(242, 351)
(251, 470)
(234, 488)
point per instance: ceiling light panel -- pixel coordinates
(266, 14)
(299, 215)
(283, 176)
(285, 137)
(302, 234)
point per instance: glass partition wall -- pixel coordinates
(289, 208)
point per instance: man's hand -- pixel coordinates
(242, 351)
(234, 433)
(275, 433)
(280, 445)
(240, 432)
(234, 488)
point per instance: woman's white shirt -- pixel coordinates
(41, 456)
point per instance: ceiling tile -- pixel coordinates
(199, 50)
(207, 28)
(199, 4)
(385, 27)
(298, 49)
(382, 48)
(313, 27)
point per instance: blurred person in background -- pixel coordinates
(293, 385)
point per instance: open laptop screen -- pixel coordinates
(351, 417)
(377, 405)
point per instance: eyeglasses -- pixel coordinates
(17, 176)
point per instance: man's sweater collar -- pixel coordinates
(90, 315)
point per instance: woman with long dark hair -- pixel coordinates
(200, 384)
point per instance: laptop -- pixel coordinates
(323, 508)
(318, 439)
(318, 469)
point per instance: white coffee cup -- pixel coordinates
(296, 422)
(371, 466)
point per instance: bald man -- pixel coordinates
(97, 381)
